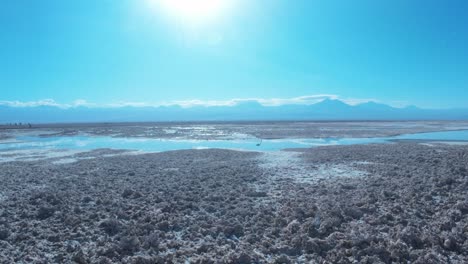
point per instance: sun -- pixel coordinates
(194, 12)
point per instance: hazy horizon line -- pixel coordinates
(267, 102)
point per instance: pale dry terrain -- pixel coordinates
(233, 130)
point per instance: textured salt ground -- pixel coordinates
(60, 156)
(288, 165)
(233, 130)
(217, 206)
(34, 154)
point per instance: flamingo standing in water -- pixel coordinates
(258, 144)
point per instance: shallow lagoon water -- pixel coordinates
(156, 145)
(85, 142)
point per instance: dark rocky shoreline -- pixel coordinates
(220, 206)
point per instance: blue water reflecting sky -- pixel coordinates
(84, 142)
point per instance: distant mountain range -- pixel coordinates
(327, 109)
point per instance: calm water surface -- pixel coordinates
(154, 145)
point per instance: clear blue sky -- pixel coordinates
(103, 51)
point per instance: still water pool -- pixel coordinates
(85, 142)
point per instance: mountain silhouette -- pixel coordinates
(328, 109)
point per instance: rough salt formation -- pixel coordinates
(219, 206)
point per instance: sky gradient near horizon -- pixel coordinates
(105, 51)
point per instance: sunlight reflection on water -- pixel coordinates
(84, 142)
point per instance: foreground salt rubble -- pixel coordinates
(399, 202)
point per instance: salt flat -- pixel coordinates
(372, 203)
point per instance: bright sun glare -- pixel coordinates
(194, 12)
